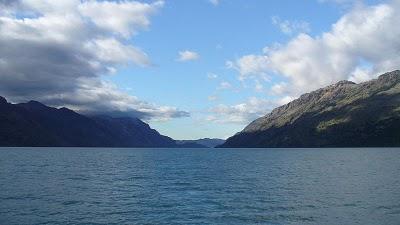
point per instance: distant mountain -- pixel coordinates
(202, 143)
(189, 144)
(344, 114)
(35, 124)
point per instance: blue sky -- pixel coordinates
(217, 33)
(192, 69)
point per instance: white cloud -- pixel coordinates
(284, 100)
(56, 52)
(360, 75)
(214, 2)
(112, 51)
(250, 65)
(364, 34)
(245, 112)
(291, 27)
(187, 55)
(242, 113)
(125, 18)
(279, 88)
(224, 85)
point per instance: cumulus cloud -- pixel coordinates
(364, 35)
(126, 18)
(279, 88)
(291, 27)
(187, 55)
(360, 75)
(245, 112)
(250, 66)
(57, 51)
(242, 113)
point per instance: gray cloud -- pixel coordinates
(7, 2)
(58, 55)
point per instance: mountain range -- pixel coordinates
(35, 124)
(344, 114)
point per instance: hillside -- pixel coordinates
(35, 124)
(344, 114)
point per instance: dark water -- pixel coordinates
(198, 186)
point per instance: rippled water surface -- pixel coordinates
(199, 186)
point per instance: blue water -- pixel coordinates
(199, 186)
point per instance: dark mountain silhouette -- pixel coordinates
(344, 114)
(35, 124)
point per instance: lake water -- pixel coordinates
(199, 186)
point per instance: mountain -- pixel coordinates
(35, 124)
(189, 144)
(344, 114)
(201, 143)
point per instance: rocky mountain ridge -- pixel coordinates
(344, 114)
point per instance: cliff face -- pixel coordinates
(344, 114)
(35, 124)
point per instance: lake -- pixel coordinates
(199, 186)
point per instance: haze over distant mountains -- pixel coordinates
(344, 114)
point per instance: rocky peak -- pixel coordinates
(391, 77)
(344, 82)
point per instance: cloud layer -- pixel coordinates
(56, 52)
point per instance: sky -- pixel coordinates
(190, 68)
